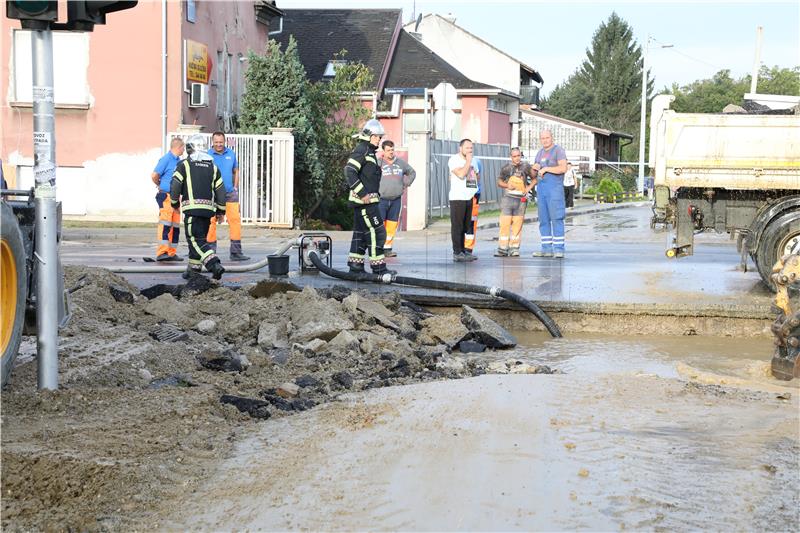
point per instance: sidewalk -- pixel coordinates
(582, 207)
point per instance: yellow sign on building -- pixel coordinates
(197, 63)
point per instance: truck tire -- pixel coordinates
(780, 237)
(13, 283)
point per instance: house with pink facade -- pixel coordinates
(161, 67)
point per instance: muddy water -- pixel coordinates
(652, 433)
(742, 362)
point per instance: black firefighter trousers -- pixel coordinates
(200, 251)
(369, 236)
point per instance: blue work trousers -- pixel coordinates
(550, 200)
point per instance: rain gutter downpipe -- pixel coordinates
(543, 317)
(163, 76)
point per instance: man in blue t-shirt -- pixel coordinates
(169, 219)
(228, 165)
(551, 162)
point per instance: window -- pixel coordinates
(496, 104)
(412, 122)
(191, 11)
(330, 68)
(70, 67)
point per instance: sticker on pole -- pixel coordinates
(43, 94)
(44, 172)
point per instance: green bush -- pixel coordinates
(609, 186)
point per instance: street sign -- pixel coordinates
(405, 91)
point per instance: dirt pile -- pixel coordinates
(155, 389)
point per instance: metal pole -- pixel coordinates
(640, 180)
(164, 144)
(44, 171)
(756, 61)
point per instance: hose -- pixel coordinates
(537, 311)
(249, 267)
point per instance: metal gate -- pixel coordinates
(266, 176)
(492, 156)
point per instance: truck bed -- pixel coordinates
(727, 151)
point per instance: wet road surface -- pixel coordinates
(638, 434)
(612, 257)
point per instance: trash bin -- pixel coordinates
(278, 265)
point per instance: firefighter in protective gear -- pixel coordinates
(363, 176)
(198, 184)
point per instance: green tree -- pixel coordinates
(277, 95)
(338, 112)
(712, 95)
(709, 96)
(324, 116)
(606, 89)
(778, 80)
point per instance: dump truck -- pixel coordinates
(18, 264)
(730, 172)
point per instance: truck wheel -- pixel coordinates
(781, 237)
(13, 286)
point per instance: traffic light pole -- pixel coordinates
(44, 171)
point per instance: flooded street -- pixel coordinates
(638, 433)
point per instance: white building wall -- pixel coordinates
(577, 142)
(472, 57)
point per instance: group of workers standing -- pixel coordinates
(205, 188)
(550, 175)
(376, 187)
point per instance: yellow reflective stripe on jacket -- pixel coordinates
(358, 187)
(189, 179)
(353, 162)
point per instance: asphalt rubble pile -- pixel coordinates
(155, 385)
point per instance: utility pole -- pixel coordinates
(44, 172)
(640, 180)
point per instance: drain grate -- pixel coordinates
(169, 333)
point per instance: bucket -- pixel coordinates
(278, 265)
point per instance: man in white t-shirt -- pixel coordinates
(464, 176)
(569, 186)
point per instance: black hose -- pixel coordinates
(543, 317)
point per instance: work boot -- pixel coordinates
(217, 270)
(501, 252)
(468, 256)
(356, 268)
(189, 272)
(542, 253)
(389, 253)
(162, 257)
(459, 258)
(558, 255)
(514, 252)
(173, 258)
(383, 270)
(239, 257)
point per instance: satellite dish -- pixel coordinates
(419, 21)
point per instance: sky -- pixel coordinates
(552, 37)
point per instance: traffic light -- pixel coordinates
(33, 14)
(83, 15)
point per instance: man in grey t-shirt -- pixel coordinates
(396, 176)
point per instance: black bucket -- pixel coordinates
(278, 265)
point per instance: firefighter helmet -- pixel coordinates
(197, 147)
(372, 127)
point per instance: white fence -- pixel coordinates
(266, 176)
